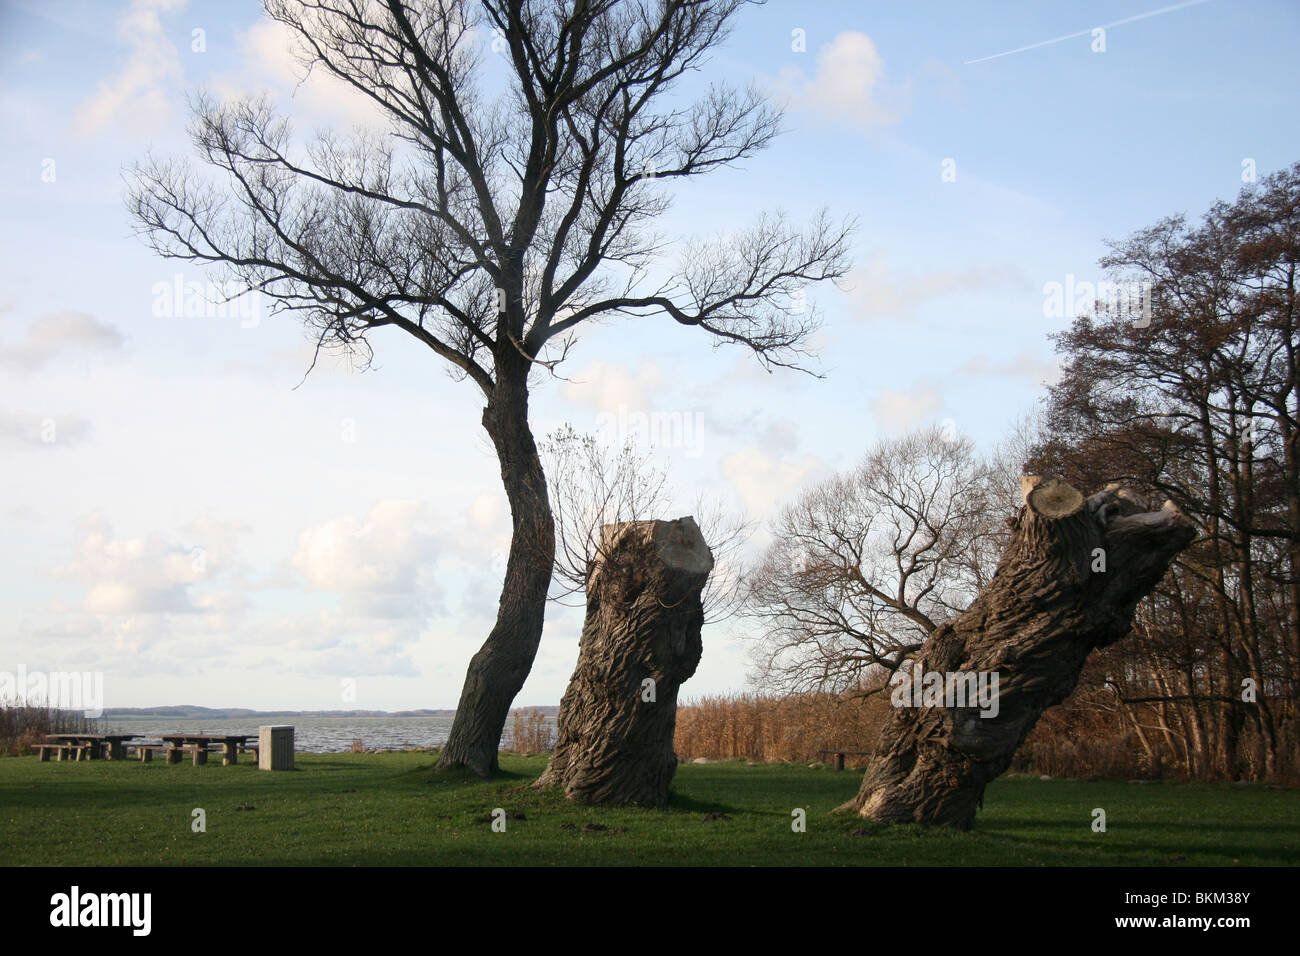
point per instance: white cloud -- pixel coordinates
(269, 59)
(771, 434)
(132, 645)
(764, 481)
(382, 565)
(1026, 364)
(486, 513)
(139, 94)
(333, 641)
(898, 411)
(155, 574)
(880, 291)
(158, 602)
(782, 435)
(945, 80)
(846, 85)
(56, 333)
(607, 386)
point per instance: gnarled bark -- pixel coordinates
(498, 671)
(644, 614)
(1069, 581)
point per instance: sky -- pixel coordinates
(186, 511)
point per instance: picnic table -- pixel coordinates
(198, 744)
(88, 745)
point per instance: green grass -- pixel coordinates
(392, 809)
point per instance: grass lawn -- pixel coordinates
(391, 809)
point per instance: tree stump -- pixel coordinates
(640, 642)
(1068, 582)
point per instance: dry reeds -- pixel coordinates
(531, 732)
(768, 728)
(22, 726)
(1081, 738)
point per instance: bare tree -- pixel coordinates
(592, 486)
(490, 229)
(865, 565)
(1192, 391)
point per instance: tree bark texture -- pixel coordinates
(640, 642)
(1068, 582)
(498, 671)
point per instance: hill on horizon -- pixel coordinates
(195, 712)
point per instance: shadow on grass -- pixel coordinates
(461, 778)
(1016, 827)
(1167, 853)
(688, 804)
(1167, 847)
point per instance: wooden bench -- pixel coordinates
(145, 752)
(840, 755)
(64, 751)
(229, 746)
(198, 753)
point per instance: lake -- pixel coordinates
(313, 734)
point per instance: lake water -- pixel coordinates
(313, 734)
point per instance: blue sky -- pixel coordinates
(177, 515)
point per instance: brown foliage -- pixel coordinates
(1088, 735)
(768, 727)
(531, 732)
(1196, 397)
(22, 726)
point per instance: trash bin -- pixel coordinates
(275, 747)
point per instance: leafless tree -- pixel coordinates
(1193, 393)
(865, 565)
(592, 485)
(490, 228)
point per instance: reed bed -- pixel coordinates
(24, 725)
(1078, 739)
(770, 728)
(531, 732)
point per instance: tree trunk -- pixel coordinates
(1048, 606)
(499, 669)
(640, 642)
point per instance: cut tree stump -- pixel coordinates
(640, 642)
(1068, 582)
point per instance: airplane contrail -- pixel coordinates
(1104, 26)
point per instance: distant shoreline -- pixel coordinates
(192, 712)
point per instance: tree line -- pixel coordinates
(492, 228)
(1191, 396)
